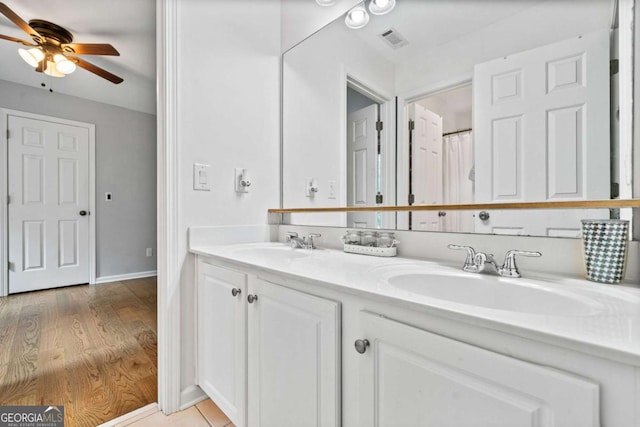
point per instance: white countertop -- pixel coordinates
(599, 319)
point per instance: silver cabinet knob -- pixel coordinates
(252, 298)
(484, 216)
(361, 345)
(236, 291)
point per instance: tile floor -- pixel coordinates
(203, 414)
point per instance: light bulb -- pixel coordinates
(52, 70)
(357, 18)
(380, 7)
(32, 56)
(64, 65)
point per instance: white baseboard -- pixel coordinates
(128, 276)
(190, 396)
(143, 412)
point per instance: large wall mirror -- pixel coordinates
(448, 102)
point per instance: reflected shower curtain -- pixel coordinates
(458, 176)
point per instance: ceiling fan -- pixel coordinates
(52, 50)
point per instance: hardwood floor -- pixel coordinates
(89, 348)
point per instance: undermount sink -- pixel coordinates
(493, 292)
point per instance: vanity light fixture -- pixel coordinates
(380, 7)
(326, 2)
(357, 17)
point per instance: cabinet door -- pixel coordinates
(294, 360)
(222, 335)
(409, 377)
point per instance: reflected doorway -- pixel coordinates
(441, 159)
(369, 130)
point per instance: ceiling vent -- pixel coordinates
(393, 38)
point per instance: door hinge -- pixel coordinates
(11, 266)
(8, 199)
(379, 126)
(615, 190)
(379, 198)
(412, 199)
(412, 125)
(8, 133)
(614, 66)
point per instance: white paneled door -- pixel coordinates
(362, 165)
(48, 211)
(541, 133)
(426, 167)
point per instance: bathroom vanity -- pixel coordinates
(295, 337)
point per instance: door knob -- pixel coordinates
(442, 213)
(252, 298)
(83, 213)
(361, 345)
(236, 291)
(484, 215)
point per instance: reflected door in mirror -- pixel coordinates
(540, 119)
(426, 167)
(362, 154)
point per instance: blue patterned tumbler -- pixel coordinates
(605, 248)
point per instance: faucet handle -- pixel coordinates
(290, 235)
(509, 267)
(469, 262)
(309, 239)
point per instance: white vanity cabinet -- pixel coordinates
(222, 338)
(410, 377)
(267, 355)
(294, 358)
(287, 356)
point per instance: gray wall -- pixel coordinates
(125, 166)
(357, 101)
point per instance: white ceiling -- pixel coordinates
(431, 24)
(128, 25)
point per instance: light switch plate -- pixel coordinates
(331, 189)
(201, 177)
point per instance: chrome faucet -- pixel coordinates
(302, 243)
(477, 262)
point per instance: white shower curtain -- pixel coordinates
(458, 180)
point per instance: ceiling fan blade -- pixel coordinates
(13, 39)
(90, 49)
(97, 70)
(4, 9)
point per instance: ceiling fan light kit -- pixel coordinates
(32, 56)
(52, 70)
(52, 50)
(64, 65)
